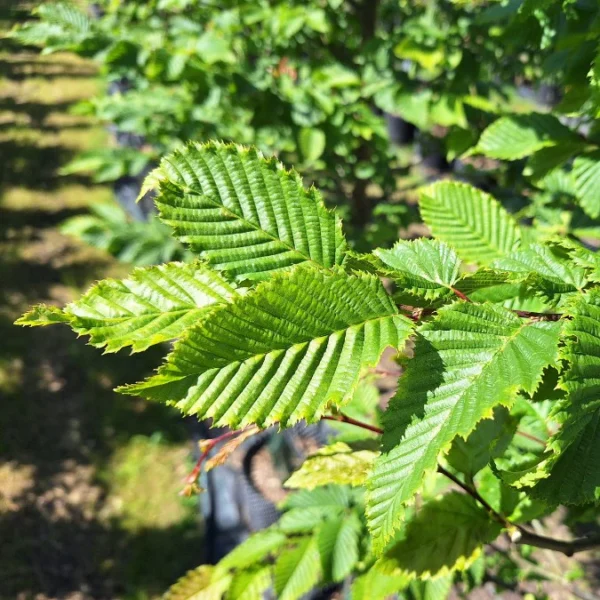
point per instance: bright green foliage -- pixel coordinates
(243, 213)
(338, 543)
(337, 463)
(547, 269)
(472, 222)
(297, 570)
(447, 534)
(505, 399)
(426, 268)
(586, 172)
(156, 304)
(284, 352)
(466, 361)
(516, 136)
(574, 469)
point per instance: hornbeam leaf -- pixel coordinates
(516, 136)
(338, 543)
(469, 220)
(586, 172)
(427, 268)
(337, 463)
(549, 270)
(202, 583)
(376, 584)
(466, 361)
(243, 213)
(446, 535)
(297, 570)
(154, 305)
(250, 585)
(574, 468)
(284, 352)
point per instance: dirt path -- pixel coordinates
(88, 479)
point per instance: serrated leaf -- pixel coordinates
(488, 440)
(284, 352)
(426, 268)
(549, 270)
(200, 584)
(297, 570)
(154, 305)
(377, 584)
(337, 464)
(590, 260)
(586, 173)
(250, 585)
(516, 136)
(468, 360)
(446, 535)
(245, 214)
(574, 469)
(469, 220)
(338, 543)
(42, 315)
(254, 550)
(437, 588)
(333, 495)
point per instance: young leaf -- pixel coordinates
(283, 352)
(432, 589)
(574, 469)
(466, 361)
(426, 268)
(472, 222)
(297, 570)
(446, 535)
(516, 136)
(42, 315)
(337, 463)
(338, 543)
(586, 172)
(245, 214)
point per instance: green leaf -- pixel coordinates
(446, 535)
(426, 268)
(250, 585)
(254, 550)
(468, 360)
(432, 589)
(337, 463)
(338, 543)
(297, 570)
(312, 143)
(516, 136)
(549, 270)
(154, 305)
(488, 440)
(200, 584)
(586, 172)
(574, 469)
(333, 495)
(376, 584)
(42, 315)
(470, 221)
(284, 352)
(245, 214)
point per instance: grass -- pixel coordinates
(89, 480)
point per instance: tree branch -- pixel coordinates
(518, 534)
